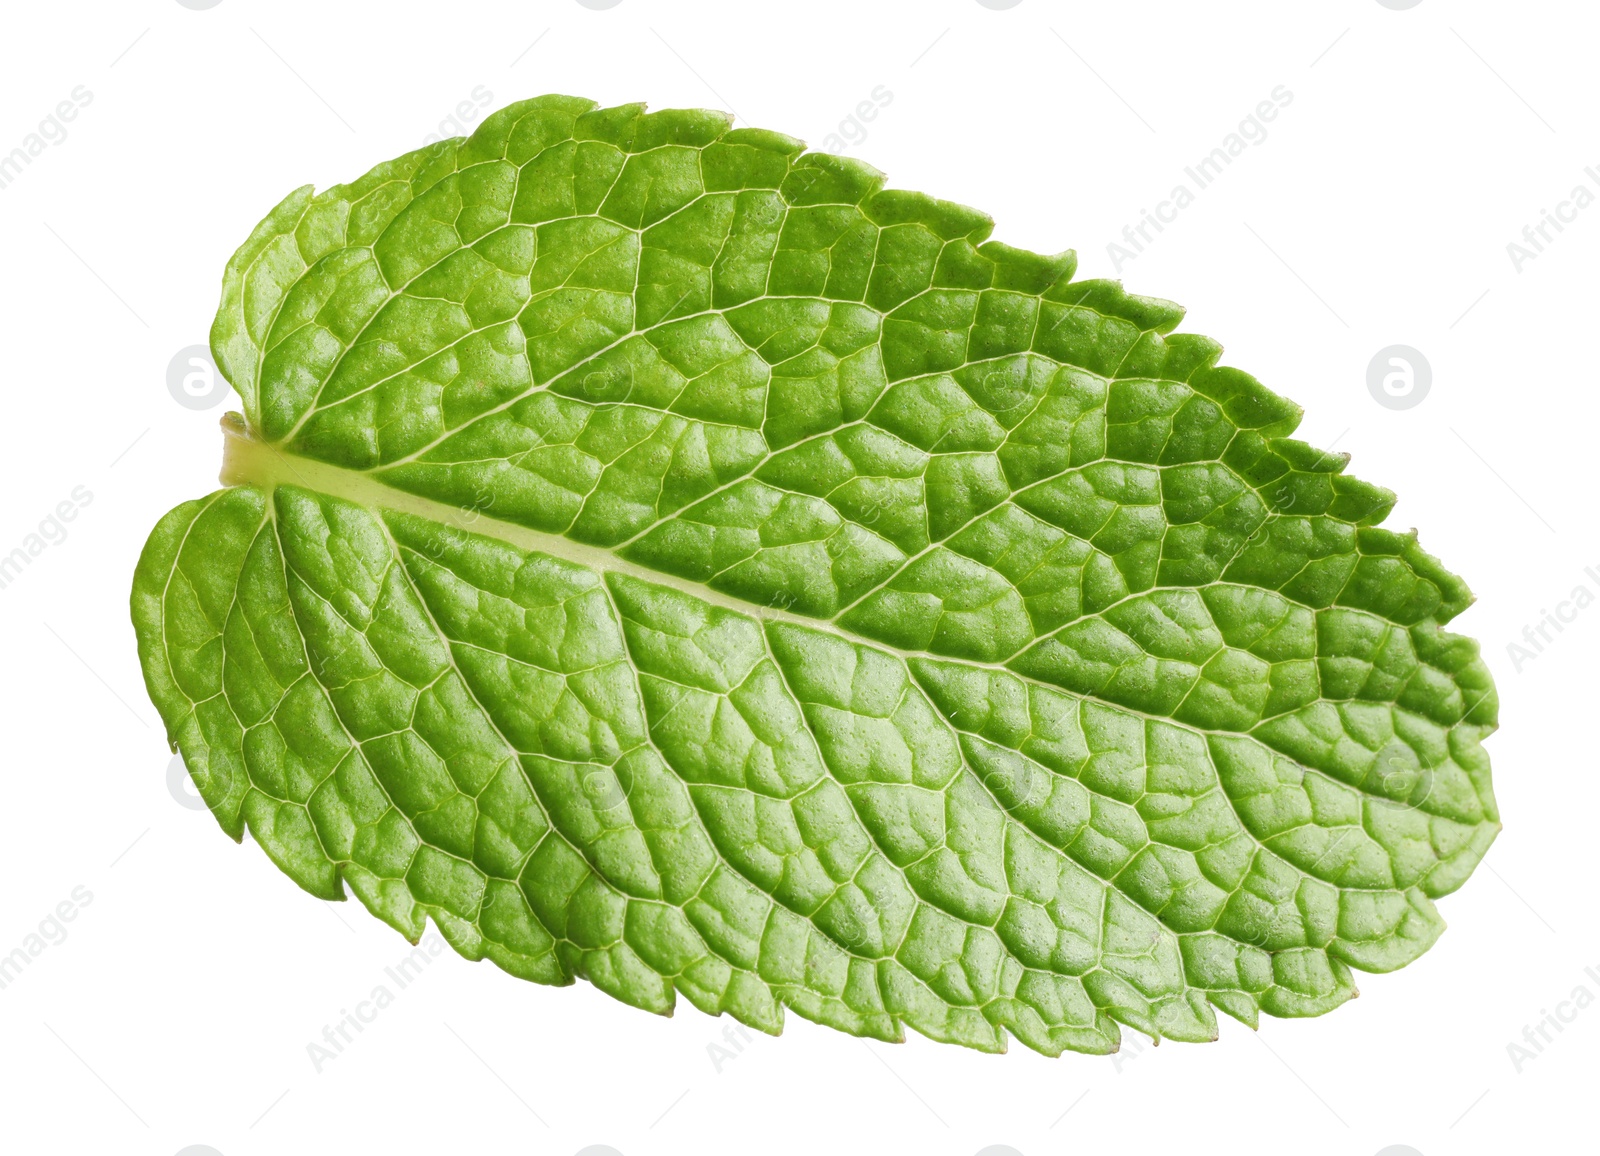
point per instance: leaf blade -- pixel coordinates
(938, 641)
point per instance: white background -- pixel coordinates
(178, 1009)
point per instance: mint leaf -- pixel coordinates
(661, 555)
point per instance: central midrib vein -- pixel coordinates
(248, 461)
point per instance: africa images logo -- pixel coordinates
(52, 130)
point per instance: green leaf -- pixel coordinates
(660, 555)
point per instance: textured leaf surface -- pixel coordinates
(664, 556)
